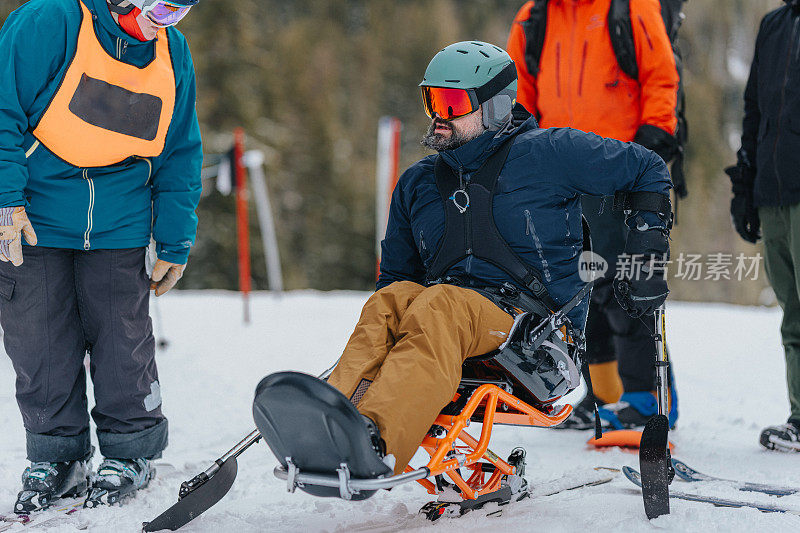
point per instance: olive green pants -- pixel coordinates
(402, 364)
(780, 227)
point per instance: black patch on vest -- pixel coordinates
(116, 109)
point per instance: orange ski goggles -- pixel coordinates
(449, 103)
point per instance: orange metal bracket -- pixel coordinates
(448, 456)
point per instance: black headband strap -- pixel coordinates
(120, 7)
(496, 84)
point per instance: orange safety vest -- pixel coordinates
(105, 110)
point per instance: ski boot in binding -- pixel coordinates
(117, 479)
(633, 411)
(783, 438)
(44, 483)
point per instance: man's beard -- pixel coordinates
(438, 142)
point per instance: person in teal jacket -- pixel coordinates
(100, 150)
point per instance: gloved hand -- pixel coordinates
(14, 223)
(644, 289)
(743, 213)
(655, 139)
(165, 276)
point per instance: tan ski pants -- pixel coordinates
(402, 364)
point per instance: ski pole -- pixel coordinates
(161, 340)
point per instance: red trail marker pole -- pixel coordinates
(242, 224)
(388, 158)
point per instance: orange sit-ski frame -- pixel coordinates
(448, 456)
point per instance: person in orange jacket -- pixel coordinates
(569, 75)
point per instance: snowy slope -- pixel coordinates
(729, 367)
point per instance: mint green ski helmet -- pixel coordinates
(484, 70)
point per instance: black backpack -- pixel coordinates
(621, 32)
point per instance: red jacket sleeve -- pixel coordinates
(526, 83)
(658, 75)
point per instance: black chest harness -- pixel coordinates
(470, 229)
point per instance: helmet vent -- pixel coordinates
(477, 43)
(452, 81)
(462, 51)
(476, 69)
(483, 53)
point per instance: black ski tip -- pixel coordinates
(196, 502)
(655, 437)
(655, 466)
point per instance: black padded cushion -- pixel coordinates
(302, 417)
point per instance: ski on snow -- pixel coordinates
(570, 481)
(573, 481)
(636, 478)
(687, 473)
(62, 511)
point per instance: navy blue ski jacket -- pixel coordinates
(536, 205)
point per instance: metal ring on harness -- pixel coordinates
(461, 208)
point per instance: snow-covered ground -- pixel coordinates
(728, 362)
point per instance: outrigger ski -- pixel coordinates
(654, 454)
(636, 478)
(687, 473)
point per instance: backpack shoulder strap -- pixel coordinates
(620, 29)
(535, 28)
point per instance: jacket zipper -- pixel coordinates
(780, 108)
(149, 168)
(468, 221)
(583, 67)
(90, 212)
(423, 250)
(32, 149)
(122, 47)
(531, 230)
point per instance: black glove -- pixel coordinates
(644, 289)
(679, 177)
(655, 139)
(743, 212)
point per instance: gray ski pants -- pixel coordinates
(54, 308)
